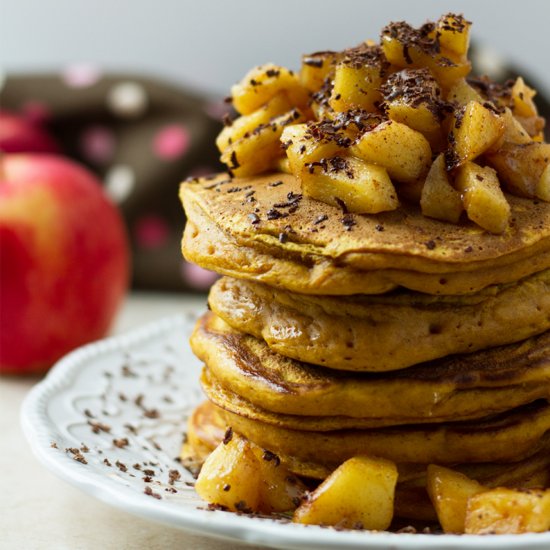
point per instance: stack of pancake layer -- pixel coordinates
(334, 335)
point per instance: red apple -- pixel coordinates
(20, 135)
(64, 260)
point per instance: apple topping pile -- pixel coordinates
(400, 120)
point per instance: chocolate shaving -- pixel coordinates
(271, 457)
(149, 491)
(228, 435)
(173, 476)
(99, 427)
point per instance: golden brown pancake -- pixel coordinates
(495, 400)
(248, 378)
(510, 436)
(256, 228)
(388, 332)
(206, 430)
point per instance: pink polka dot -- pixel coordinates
(97, 144)
(151, 232)
(171, 142)
(197, 277)
(36, 112)
(81, 76)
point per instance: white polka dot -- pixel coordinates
(489, 62)
(119, 182)
(80, 75)
(127, 99)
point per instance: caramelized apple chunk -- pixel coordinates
(449, 492)
(389, 111)
(475, 129)
(407, 47)
(357, 79)
(262, 83)
(521, 167)
(483, 198)
(241, 476)
(508, 511)
(349, 182)
(402, 151)
(413, 97)
(316, 68)
(358, 494)
(259, 150)
(439, 199)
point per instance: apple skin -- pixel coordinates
(64, 260)
(20, 135)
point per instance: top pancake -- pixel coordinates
(263, 228)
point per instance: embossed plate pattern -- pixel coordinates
(110, 417)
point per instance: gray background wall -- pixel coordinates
(210, 44)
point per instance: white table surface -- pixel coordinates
(39, 511)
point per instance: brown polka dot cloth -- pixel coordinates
(142, 137)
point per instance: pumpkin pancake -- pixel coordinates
(510, 436)
(263, 229)
(248, 378)
(206, 429)
(495, 400)
(387, 332)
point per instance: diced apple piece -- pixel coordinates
(482, 196)
(406, 47)
(241, 476)
(280, 490)
(521, 166)
(246, 124)
(421, 119)
(439, 199)
(533, 125)
(522, 97)
(316, 67)
(357, 79)
(454, 33)
(303, 144)
(262, 83)
(358, 494)
(508, 511)
(413, 97)
(462, 93)
(230, 476)
(363, 188)
(475, 130)
(514, 132)
(260, 150)
(449, 492)
(405, 153)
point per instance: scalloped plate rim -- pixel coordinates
(39, 433)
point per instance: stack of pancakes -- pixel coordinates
(334, 335)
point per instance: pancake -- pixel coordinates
(206, 431)
(496, 401)
(251, 376)
(510, 436)
(278, 238)
(388, 332)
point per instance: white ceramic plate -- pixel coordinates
(98, 388)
